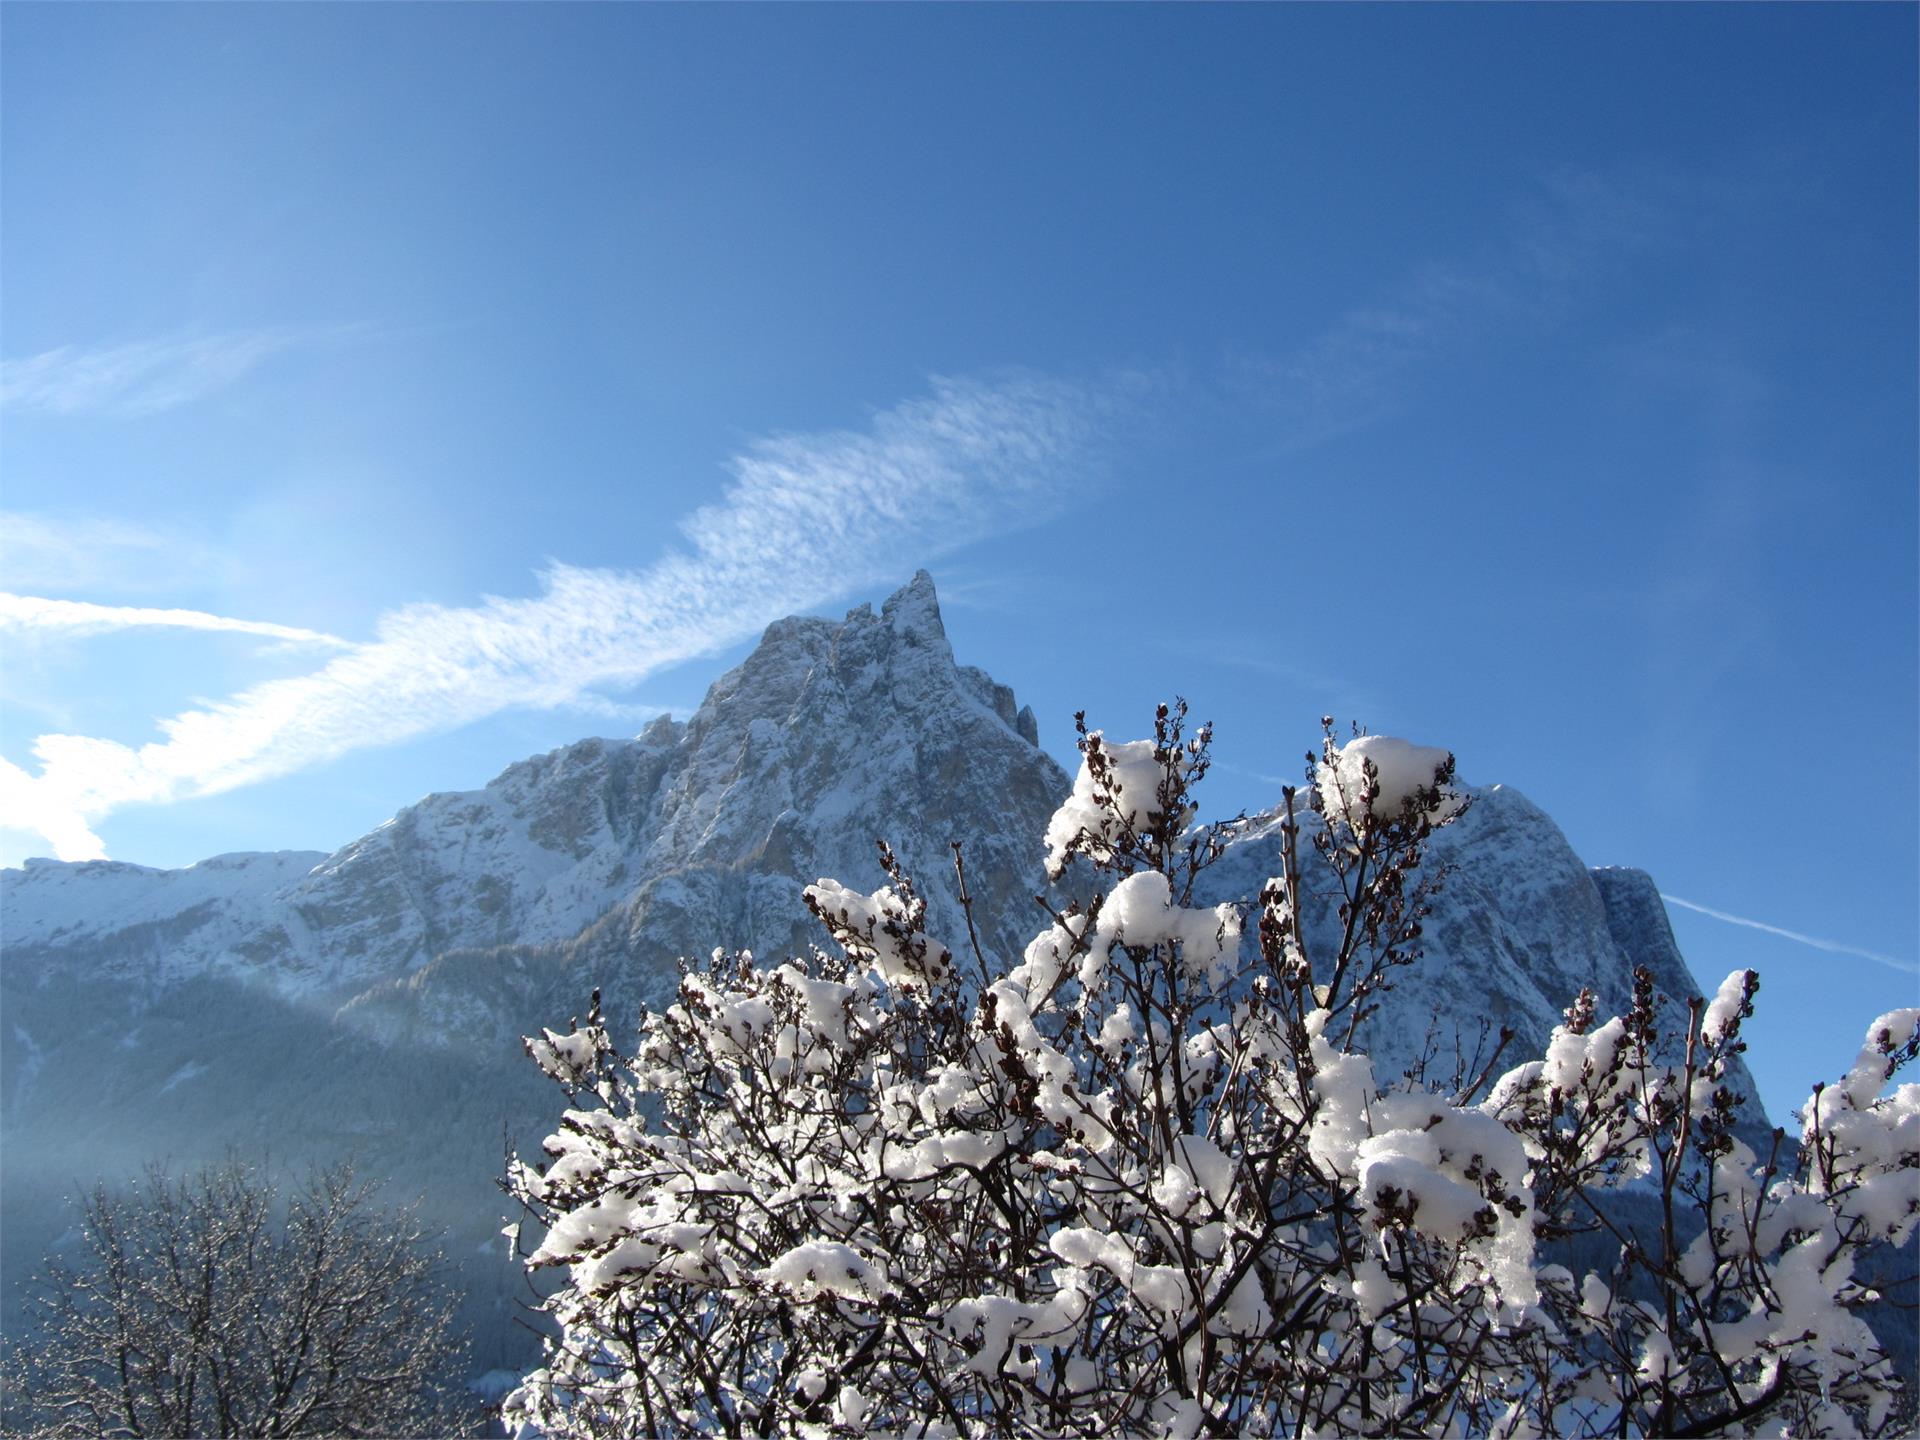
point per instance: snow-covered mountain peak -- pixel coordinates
(913, 611)
(828, 735)
(417, 954)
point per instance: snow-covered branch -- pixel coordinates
(1138, 1179)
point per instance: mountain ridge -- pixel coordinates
(607, 860)
(372, 998)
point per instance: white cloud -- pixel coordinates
(142, 377)
(27, 808)
(1835, 946)
(33, 614)
(807, 518)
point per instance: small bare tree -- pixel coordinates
(205, 1306)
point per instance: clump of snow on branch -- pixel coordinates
(1139, 912)
(1732, 1003)
(1864, 1139)
(1106, 801)
(886, 928)
(1126, 797)
(1375, 779)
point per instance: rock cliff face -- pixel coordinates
(693, 835)
(308, 1005)
(830, 737)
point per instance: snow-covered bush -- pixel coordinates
(1139, 1181)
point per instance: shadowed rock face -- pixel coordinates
(370, 1001)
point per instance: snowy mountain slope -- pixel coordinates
(371, 1000)
(133, 920)
(539, 853)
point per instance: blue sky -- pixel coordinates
(1535, 381)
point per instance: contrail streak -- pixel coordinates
(1814, 940)
(34, 613)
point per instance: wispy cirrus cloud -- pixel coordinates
(806, 519)
(41, 551)
(1362, 365)
(36, 615)
(1833, 946)
(144, 377)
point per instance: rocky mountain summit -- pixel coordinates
(692, 835)
(370, 1001)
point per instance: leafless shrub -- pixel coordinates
(204, 1306)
